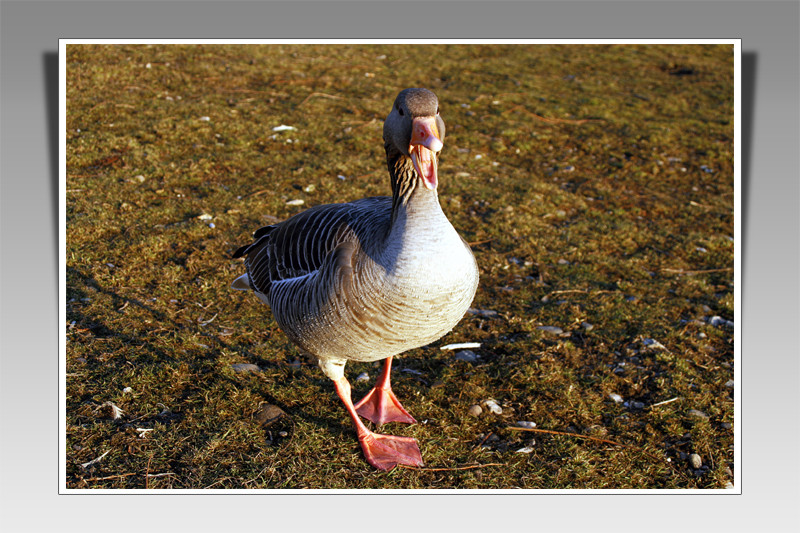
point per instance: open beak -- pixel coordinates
(424, 142)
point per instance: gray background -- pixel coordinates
(29, 33)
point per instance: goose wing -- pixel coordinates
(300, 245)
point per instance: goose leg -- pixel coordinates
(384, 452)
(380, 405)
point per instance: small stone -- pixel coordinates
(485, 313)
(283, 433)
(632, 299)
(652, 344)
(554, 330)
(718, 321)
(363, 377)
(526, 424)
(725, 425)
(729, 384)
(245, 367)
(697, 414)
(467, 355)
(475, 410)
(695, 461)
(526, 449)
(205, 119)
(283, 127)
(637, 405)
(587, 326)
(702, 335)
(493, 406)
(310, 188)
(616, 397)
(299, 201)
(268, 414)
(140, 178)
(127, 390)
(563, 262)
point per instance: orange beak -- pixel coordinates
(424, 142)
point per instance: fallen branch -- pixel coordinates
(691, 272)
(322, 95)
(471, 467)
(554, 120)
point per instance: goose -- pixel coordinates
(369, 279)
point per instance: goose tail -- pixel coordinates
(242, 283)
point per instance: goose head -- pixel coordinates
(414, 132)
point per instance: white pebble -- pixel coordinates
(341, 177)
(127, 390)
(695, 461)
(493, 406)
(526, 424)
(475, 410)
(526, 449)
(283, 127)
(148, 66)
(299, 201)
(363, 377)
(205, 119)
(140, 178)
(212, 225)
(616, 397)
(310, 188)
(205, 216)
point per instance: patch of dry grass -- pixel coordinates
(603, 194)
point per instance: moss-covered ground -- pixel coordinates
(595, 183)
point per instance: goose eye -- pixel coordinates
(400, 110)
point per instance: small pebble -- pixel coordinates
(702, 335)
(467, 355)
(587, 326)
(695, 461)
(616, 397)
(555, 330)
(563, 262)
(245, 367)
(341, 177)
(632, 299)
(652, 344)
(299, 201)
(486, 313)
(493, 406)
(363, 377)
(719, 322)
(283, 127)
(269, 414)
(697, 414)
(526, 424)
(140, 178)
(729, 384)
(283, 433)
(212, 225)
(127, 390)
(205, 119)
(475, 410)
(310, 188)
(526, 449)
(725, 425)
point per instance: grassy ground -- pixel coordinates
(595, 183)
